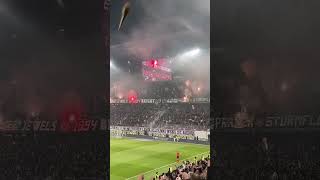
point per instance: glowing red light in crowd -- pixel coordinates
(154, 63)
(71, 107)
(132, 96)
(132, 99)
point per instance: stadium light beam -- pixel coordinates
(112, 66)
(189, 54)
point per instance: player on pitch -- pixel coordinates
(178, 157)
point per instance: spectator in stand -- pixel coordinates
(237, 160)
(52, 156)
(187, 171)
(189, 116)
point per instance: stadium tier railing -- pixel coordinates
(186, 136)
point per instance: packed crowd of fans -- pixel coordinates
(162, 90)
(52, 156)
(275, 159)
(188, 170)
(195, 116)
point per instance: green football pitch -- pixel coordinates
(132, 157)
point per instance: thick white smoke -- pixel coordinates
(166, 23)
(167, 28)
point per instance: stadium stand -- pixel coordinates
(188, 170)
(51, 156)
(166, 111)
(189, 116)
(273, 155)
(38, 147)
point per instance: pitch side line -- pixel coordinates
(166, 165)
(155, 140)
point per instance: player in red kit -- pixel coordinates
(178, 157)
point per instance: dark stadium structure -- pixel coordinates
(53, 81)
(265, 121)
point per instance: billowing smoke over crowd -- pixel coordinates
(48, 58)
(34, 87)
(177, 31)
